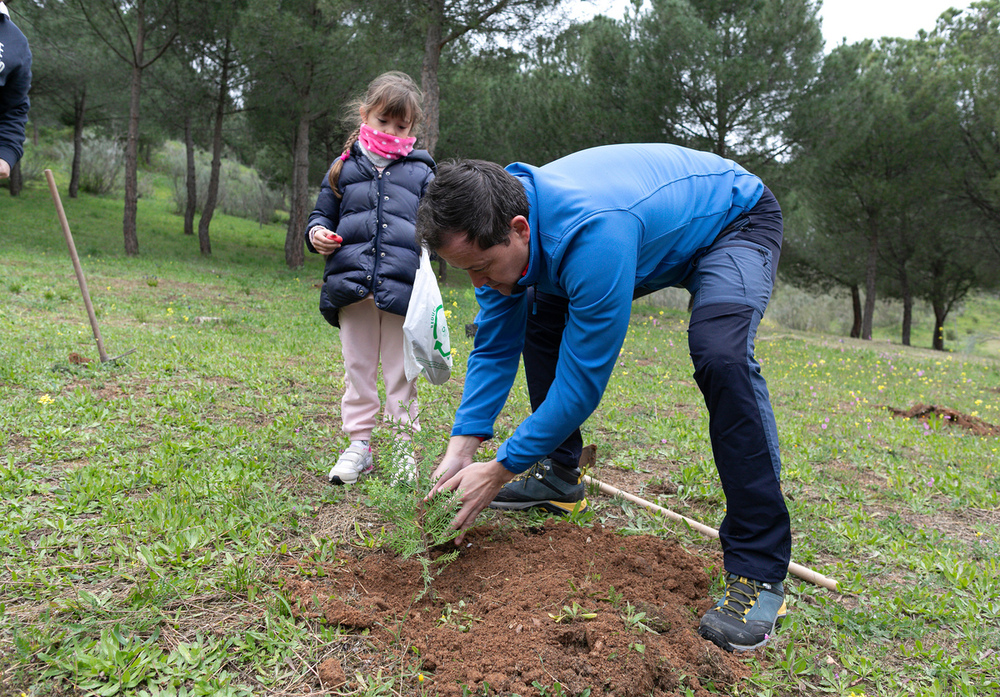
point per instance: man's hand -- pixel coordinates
(478, 484)
(459, 455)
(4, 169)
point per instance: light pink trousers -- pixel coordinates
(367, 334)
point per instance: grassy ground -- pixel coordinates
(146, 504)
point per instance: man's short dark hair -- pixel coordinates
(474, 197)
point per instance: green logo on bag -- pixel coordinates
(439, 341)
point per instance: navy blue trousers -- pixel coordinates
(731, 283)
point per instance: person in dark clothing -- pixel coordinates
(15, 81)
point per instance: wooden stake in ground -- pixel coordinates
(79, 271)
(800, 571)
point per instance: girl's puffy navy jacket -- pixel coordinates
(377, 219)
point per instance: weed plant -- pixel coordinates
(146, 504)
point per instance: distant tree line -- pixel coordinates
(885, 154)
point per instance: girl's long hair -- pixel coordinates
(396, 95)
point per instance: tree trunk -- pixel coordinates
(870, 268)
(132, 145)
(16, 179)
(79, 106)
(191, 179)
(904, 283)
(295, 255)
(213, 181)
(940, 314)
(856, 309)
(429, 74)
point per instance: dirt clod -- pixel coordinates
(331, 674)
(929, 412)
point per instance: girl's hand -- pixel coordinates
(325, 241)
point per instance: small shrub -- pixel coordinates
(248, 195)
(37, 159)
(144, 186)
(242, 191)
(671, 298)
(102, 161)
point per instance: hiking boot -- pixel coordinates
(547, 485)
(352, 463)
(746, 616)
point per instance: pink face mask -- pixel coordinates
(385, 145)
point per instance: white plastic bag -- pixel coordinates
(426, 347)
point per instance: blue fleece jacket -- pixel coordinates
(15, 81)
(607, 224)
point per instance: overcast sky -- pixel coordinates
(872, 19)
(851, 19)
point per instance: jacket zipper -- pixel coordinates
(377, 238)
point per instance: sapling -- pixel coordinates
(419, 528)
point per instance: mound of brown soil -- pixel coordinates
(925, 412)
(524, 611)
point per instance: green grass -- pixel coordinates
(147, 504)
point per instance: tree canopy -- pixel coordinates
(885, 154)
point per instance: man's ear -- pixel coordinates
(520, 227)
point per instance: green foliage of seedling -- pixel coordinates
(419, 528)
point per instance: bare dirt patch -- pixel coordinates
(930, 412)
(499, 619)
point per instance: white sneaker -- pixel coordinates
(352, 463)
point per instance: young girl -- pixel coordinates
(364, 222)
